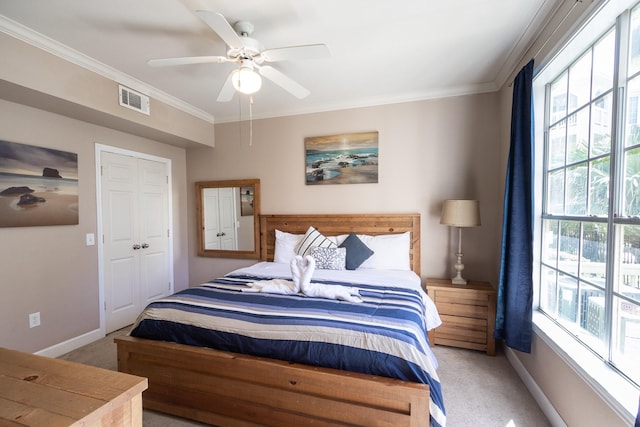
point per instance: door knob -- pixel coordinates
(136, 246)
(145, 245)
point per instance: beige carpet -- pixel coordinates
(479, 390)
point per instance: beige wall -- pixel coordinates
(429, 151)
(32, 76)
(50, 269)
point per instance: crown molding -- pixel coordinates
(437, 93)
(29, 36)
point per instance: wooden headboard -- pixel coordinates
(335, 224)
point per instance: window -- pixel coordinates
(589, 227)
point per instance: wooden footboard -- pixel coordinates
(228, 389)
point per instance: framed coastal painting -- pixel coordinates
(38, 186)
(349, 158)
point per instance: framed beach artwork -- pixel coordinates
(246, 201)
(38, 186)
(349, 158)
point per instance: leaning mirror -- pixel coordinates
(228, 218)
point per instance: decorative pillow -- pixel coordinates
(357, 251)
(329, 258)
(285, 248)
(313, 238)
(390, 251)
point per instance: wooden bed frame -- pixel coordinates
(229, 389)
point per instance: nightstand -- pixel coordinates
(468, 314)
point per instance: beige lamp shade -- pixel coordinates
(461, 213)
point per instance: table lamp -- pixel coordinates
(460, 213)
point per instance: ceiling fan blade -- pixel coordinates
(311, 51)
(227, 91)
(283, 81)
(221, 26)
(187, 60)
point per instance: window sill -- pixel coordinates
(618, 392)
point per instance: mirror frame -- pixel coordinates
(221, 253)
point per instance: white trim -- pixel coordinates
(436, 93)
(545, 404)
(99, 239)
(99, 149)
(40, 41)
(614, 389)
(65, 347)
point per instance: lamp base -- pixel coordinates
(459, 266)
(458, 281)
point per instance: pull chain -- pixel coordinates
(250, 120)
(240, 117)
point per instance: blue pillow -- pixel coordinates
(357, 251)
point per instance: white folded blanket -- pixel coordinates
(274, 286)
(301, 271)
(339, 292)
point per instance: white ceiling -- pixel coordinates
(382, 51)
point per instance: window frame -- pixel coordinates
(615, 388)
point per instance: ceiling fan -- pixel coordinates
(249, 55)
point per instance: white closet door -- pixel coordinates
(135, 236)
(220, 227)
(211, 203)
(154, 230)
(227, 200)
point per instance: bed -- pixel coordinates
(228, 387)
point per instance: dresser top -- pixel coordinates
(40, 390)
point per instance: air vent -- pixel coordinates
(134, 100)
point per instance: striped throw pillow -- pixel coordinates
(313, 238)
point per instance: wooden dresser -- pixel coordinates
(40, 391)
(468, 314)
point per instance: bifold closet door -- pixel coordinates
(220, 227)
(135, 236)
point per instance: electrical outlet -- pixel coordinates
(34, 320)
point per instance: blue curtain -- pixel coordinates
(637, 424)
(515, 285)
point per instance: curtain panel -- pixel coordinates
(515, 284)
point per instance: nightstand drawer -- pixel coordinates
(462, 329)
(462, 298)
(464, 310)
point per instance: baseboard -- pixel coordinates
(545, 405)
(71, 344)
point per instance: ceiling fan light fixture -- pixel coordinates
(246, 80)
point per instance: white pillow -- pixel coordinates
(285, 248)
(313, 238)
(390, 251)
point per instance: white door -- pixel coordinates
(228, 229)
(135, 236)
(211, 223)
(220, 226)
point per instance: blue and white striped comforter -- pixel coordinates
(384, 335)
